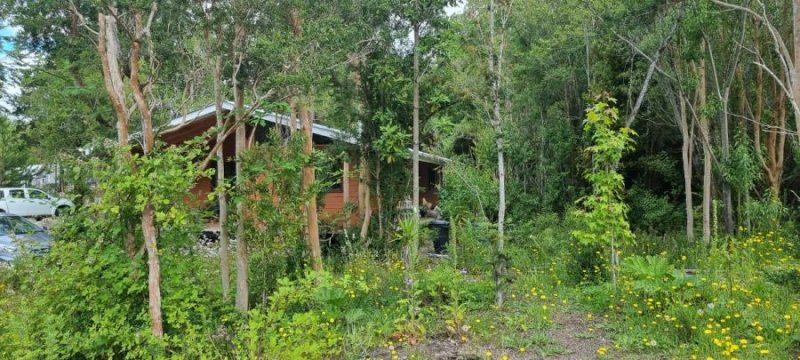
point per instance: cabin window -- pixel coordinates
(336, 176)
(433, 178)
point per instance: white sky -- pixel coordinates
(458, 8)
(9, 86)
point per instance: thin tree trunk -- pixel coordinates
(346, 188)
(148, 214)
(367, 199)
(242, 264)
(312, 223)
(686, 159)
(415, 144)
(495, 71)
(795, 68)
(727, 197)
(154, 270)
(707, 155)
(108, 49)
(224, 252)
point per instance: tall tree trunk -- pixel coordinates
(242, 264)
(311, 211)
(108, 49)
(795, 68)
(495, 71)
(415, 144)
(224, 253)
(312, 223)
(705, 128)
(776, 134)
(686, 160)
(725, 148)
(148, 214)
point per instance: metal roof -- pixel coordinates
(187, 120)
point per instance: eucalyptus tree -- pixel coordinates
(134, 43)
(786, 45)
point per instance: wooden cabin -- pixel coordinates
(198, 122)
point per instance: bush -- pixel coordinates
(90, 300)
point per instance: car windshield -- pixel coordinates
(16, 225)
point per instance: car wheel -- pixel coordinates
(63, 210)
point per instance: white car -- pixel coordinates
(32, 203)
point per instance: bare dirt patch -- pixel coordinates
(574, 336)
(578, 335)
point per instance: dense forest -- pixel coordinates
(610, 179)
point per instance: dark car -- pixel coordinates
(18, 235)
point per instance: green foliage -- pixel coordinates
(737, 300)
(303, 319)
(650, 274)
(272, 195)
(442, 285)
(14, 155)
(652, 213)
(741, 169)
(606, 218)
(393, 141)
(606, 221)
(766, 214)
(87, 298)
(468, 192)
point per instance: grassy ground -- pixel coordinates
(736, 299)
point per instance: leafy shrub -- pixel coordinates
(91, 301)
(650, 275)
(443, 284)
(304, 318)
